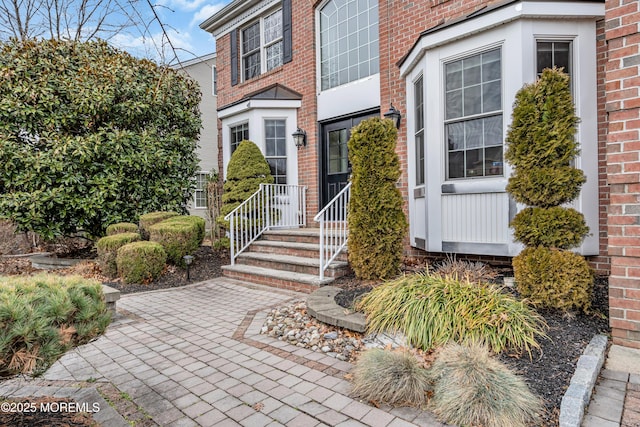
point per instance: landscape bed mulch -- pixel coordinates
(547, 373)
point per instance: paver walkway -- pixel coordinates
(194, 356)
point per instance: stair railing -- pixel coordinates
(271, 206)
(333, 228)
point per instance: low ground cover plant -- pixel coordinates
(470, 388)
(43, 316)
(107, 248)
(431, 310)
(141, 262)
(122, 227)
(179, 235)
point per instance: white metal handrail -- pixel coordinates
(333, 228)
(272, 206)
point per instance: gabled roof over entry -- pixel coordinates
(273, 96)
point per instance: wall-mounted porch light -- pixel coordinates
(394, 115)
(300, 138)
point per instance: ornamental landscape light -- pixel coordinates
(300, 138)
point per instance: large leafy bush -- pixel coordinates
(90, 136)
(377, 223)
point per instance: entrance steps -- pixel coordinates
(288, 258)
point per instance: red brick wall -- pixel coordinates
(623, 168)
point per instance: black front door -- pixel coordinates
(335, 155)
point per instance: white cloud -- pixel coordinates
(181, 5)
(204, 13)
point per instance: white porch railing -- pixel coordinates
(272, 206)
(333, 228)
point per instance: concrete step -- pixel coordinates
(292, 263)
(277, 278)
(306, 250)
(299, 235)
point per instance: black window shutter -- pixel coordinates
(234, 57)
(286, 31)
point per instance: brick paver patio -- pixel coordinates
(194, 356)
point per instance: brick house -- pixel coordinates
(452, 68)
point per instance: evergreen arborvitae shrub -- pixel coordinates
(542, 148)
(121, 227)
(43, 316)
(141, 262)
(377, 223)
(179, 235)
(107, 248)
(147, 220)
(554, 278)
(247, 169)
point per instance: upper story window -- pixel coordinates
(348, 41)
(262, 45)
(473, 116)
(239, 133)
(551, 54)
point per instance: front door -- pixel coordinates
(335, 155)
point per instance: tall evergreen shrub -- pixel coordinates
(377, 223)
(542, 148)
(247, 169)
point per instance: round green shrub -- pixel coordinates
(179, 235)
(554, 278)
(391, 378)
(554, 227)
(247, 169)
(141, 262)
(147, 220)
(122, 227)
(376, 220)
(546, 187)
(473, 389)
(107, 248)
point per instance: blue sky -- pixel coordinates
(181, 19)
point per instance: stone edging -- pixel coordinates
(322, 305)
(578, 395)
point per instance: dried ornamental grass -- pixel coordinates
(473, 389)
(432, 310)
(391, 377)
(474, 272)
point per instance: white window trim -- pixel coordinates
(263, 44)
(195, 203)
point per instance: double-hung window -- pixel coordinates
(276, 149)
(262, 45)
(473, 116)
(238, 134)
(200, 195)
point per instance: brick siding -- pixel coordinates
(623, 168)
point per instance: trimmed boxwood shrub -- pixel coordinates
(122, 227)
(377, 223)
(247, 169)
(554, 227)
(546, 187)
(141, 262)
(107, 248)
(554, 278)
(43, 316)
(147, 220)
(180, 236)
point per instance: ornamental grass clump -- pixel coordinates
(141, 262)
(431, 310)
(391, 377)
(43, 316)
(107, 248)
(179, 235)
(151, 218)
(473, 389)
(121, 227)
(474, 272)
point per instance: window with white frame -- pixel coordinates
(348, 41)
(473, 116)
(276, 148)
(200, 194)
(239, 133)
(551, 54)
(262, 45)
(214, 81)
(418, 92)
